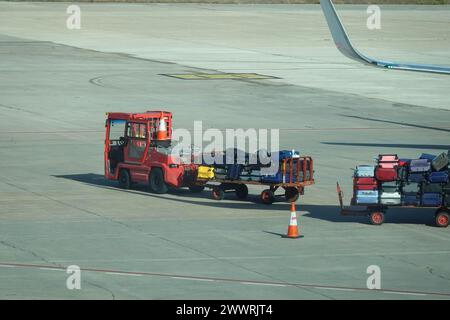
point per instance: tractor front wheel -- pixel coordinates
(157, 183)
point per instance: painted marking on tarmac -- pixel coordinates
(193, 279)
(124, 274)
(264, 284)
(219, 76)
(337, 289)
(230, 280)
(51, 269)
(406, 293)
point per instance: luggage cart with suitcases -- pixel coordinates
(295, 174)
(411, 184)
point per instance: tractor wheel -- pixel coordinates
(217, 193)
(124, 179)
(267, 196)
(241, 191)
(291, 194)
(157, 183)
(196, 189)
(442, 219)
(377, 218)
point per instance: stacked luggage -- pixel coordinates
(408, 182)
(254, 171)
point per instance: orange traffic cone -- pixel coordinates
(162, 130)
(293, 227)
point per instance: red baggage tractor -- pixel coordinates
(386, 174)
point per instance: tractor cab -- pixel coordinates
(130, 137)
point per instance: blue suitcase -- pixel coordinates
(432, 199)
(416, 177)
(438, 177)
(234, 171)
(427, 156)
(420, 165)
(285, 154)
(410, 199)
(366, 197)
(365, 171)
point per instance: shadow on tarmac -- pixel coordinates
(391, 145)
(330, 213)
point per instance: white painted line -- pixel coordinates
(194, 279)
(264, 284)
(51, 269)
(406, 293)
(124, 274)
(337, 289)
(6, 266)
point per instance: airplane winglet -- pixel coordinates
(345, 46)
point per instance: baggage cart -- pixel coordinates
(298, 171)
(377, 212)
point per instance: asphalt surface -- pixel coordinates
(57, 210)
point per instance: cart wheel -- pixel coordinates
(267, 196)
(442, 219)
(124, 179)
(291, 194)
(241, 191)
(196, 189)
(377, 218)
(217, 193)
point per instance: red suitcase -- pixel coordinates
(371, 187)
(386, 174)
(371, 181)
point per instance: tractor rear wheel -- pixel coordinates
(157, 183)
(124, 179)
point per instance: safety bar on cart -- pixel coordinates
(347, 211)
(303, 165)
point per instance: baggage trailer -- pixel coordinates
(377, 212)
(297, 174)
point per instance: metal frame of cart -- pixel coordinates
(302, 176)
(376, 212)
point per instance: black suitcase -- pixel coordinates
(402, 173)
(391, 186)
(447, 200)
(446, 188)
(432, 188)
(440, 162)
